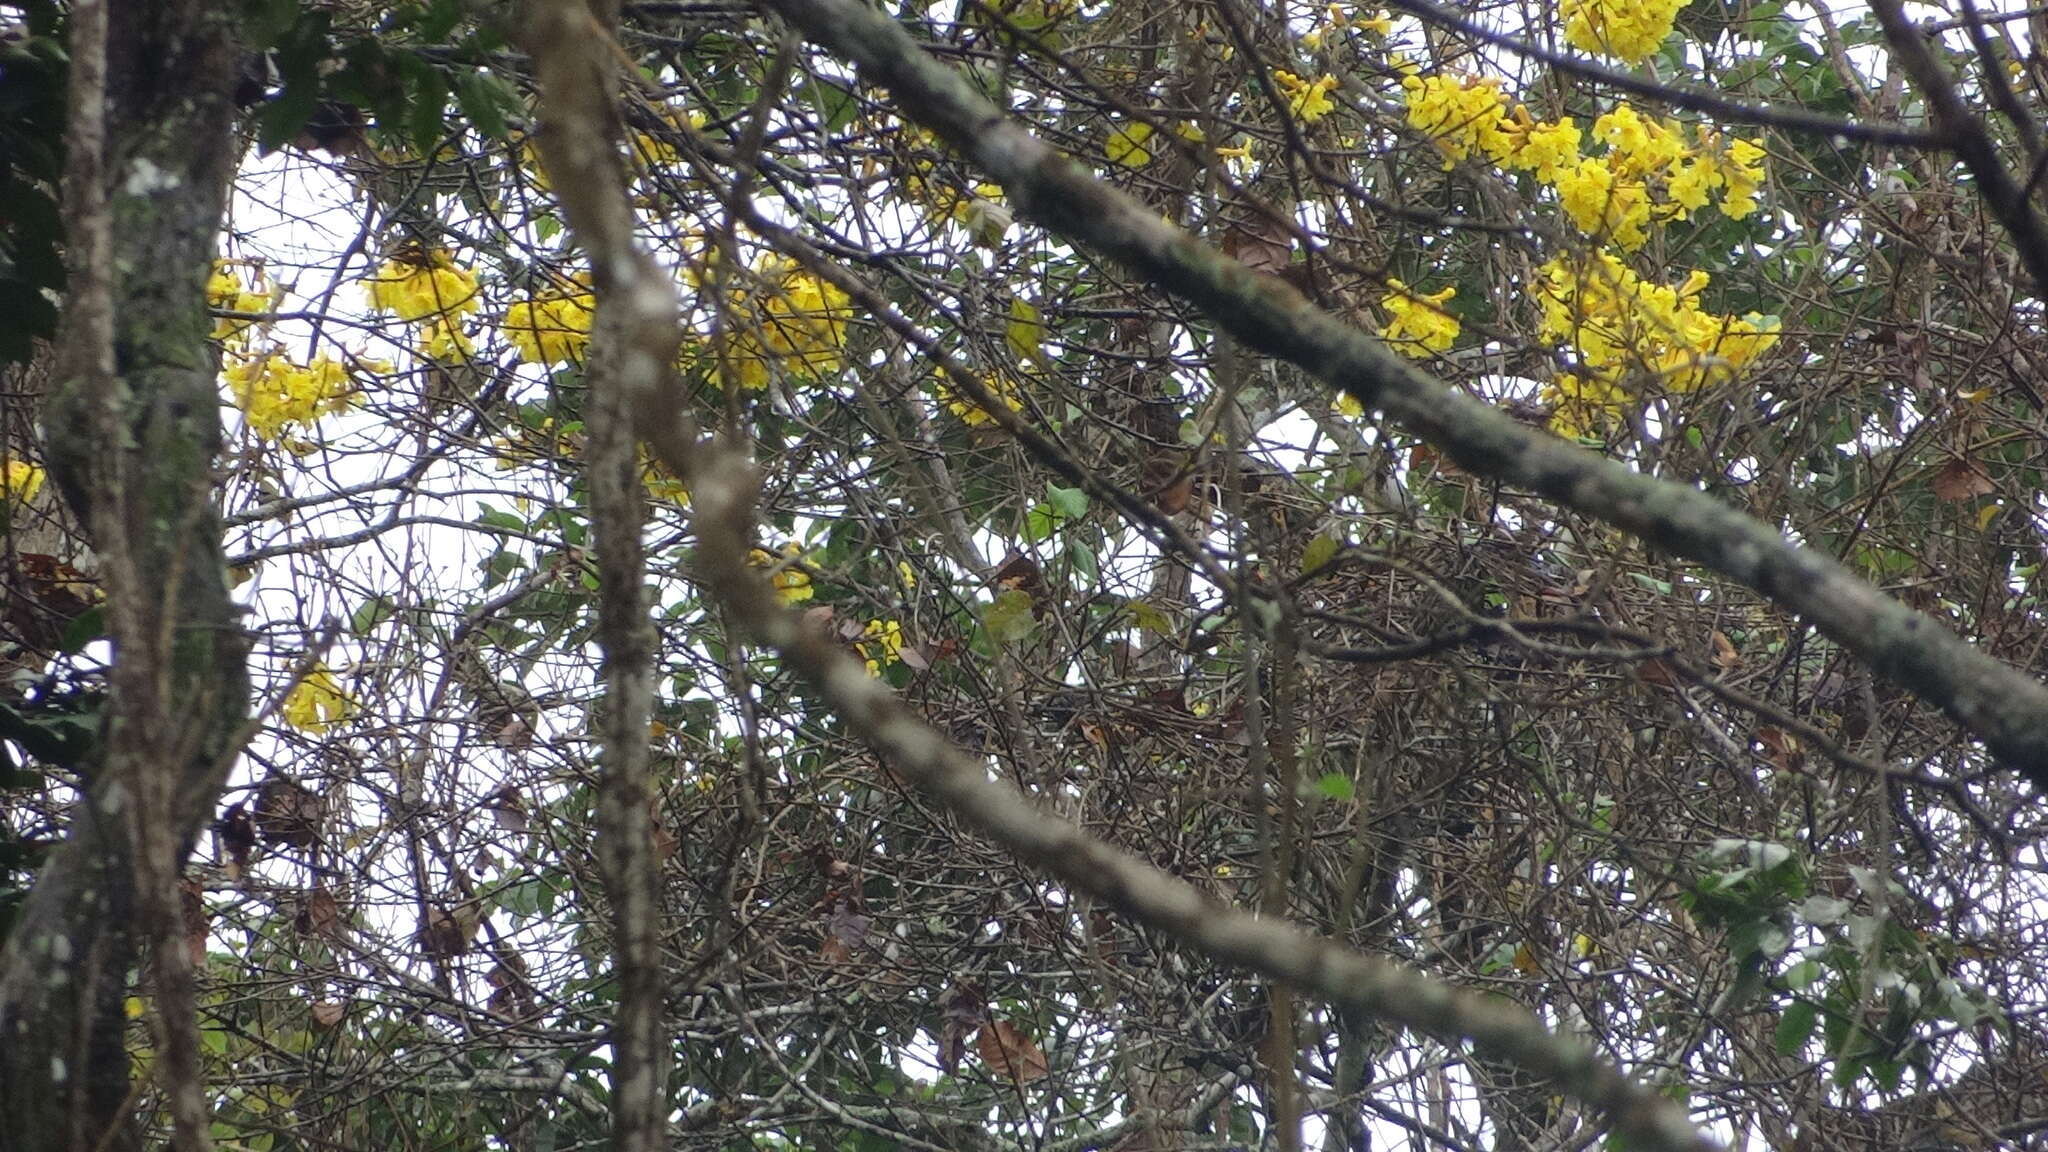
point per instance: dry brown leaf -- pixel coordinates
(319, 914)
(963, 1010)
(288, 813)
(1726, 657)
(1961, 480)
(327, 1013)
(1010, 1053)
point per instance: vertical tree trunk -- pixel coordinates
(132, 429)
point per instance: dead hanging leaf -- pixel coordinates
(914, 658)
(845, 930)
(507, 809)
(1657, 672)
(327, 1014)
(237, 835)
(1010, 1053)
(1961, 480)
(665, 843)
(962, 1011)
(1726, 658)
(829, 867)
(511, 996)
(192, 906)
(1020, 573)
(444, 935)
(1259, 242)
(288, 813)
(319, 914)
(1781, 748)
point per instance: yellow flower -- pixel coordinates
(1638, 147)
(1626, 29)
(1604, 204)
(276, 395)
(797, 322)
(225, 293)
(19, 483)
(443, 339)
(554, 327)
(416, 288)
(1548, 149)
(792, 582)
(1461, 115)
(1419, 325)
(881, 644)
(317, 703)
(1307, 100)
(1126, 145)
(661, 483)
(1583, 406)
(971, 412)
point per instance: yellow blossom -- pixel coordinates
(792, 582)
(1548, 149)
(1584, 406)
(1604, 204)
(971, 412)
(1307, 100)
(1126, 145)
(881, 644)
(423, 286)
(796, 321)
(276, 395)
(1626, 29)
(442, 338)
(553, 327)
(1462, 115)
(317, 703)
(1419, 324)
(226, 293)
(19, 483)
(661, 483)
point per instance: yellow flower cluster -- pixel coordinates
(880, 644)
(795, 321)
(1462, 114)
(225, 292)
(791, 581)
(1127, 145)
(1336, 18)
(428, 289)
(1419, 324)
(972, 413)
(661, 483)
(1625, 29)
(553, 327)
(1307, 100)
(1650, 170)
(1628, 332)
(19, 483)
(318, 702)
(654, 152)
(276, 395)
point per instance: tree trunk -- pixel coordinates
(132, 429)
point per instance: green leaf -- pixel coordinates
(1335, 785)
(1320, 552)
(1009, 619)
(1149, 617)
(1040, 522)
(485, 99)
(1795, 1027)
(1083, 558)
(1070, 503)
(372, 612)
(90, 625)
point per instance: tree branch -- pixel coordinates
(1999, 704)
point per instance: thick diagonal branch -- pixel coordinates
(2004, 707)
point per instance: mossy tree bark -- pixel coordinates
(132, 429)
